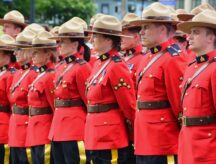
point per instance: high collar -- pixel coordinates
(134, 51)
(160, 47)
(72, 58)
(26, 66)
(107, 55)
(206, 57)
(46, 67)
(5, 67)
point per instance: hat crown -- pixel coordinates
(207, 16)
(94, 18)
(157, 10)
(128, 18)
(6, 39)
(42, 38)
(34, 27)
(71, 27)
(201, 8)
(15, 16)
(80, 21)
(26, 36)
(108, 22)
(55, 30)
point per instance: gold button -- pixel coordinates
(105, 122)
(140, 82)
(185, 108)
(99, 63)
(196, 85)
(150, 56)
(180, 86)
(65, 66)
(209, 134)
(26, 122)
(186, 94)
(162, 118)
(135, 73)
(138, 96)
(21, 89)
(88, 102)
(150, 75)
(195, 66)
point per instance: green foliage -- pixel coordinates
(53, 12)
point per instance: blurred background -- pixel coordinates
(56, 12)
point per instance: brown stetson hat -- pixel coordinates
(6, 42)
(206, 18)
(156, 13)
(14, 17)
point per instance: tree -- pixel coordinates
(52, 12)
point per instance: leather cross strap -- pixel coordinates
(64, 72)
(189, 81)
(149, 65)
(97, 108)
(68, 103)
(97, 74)
(196, 121)
(19, 81)
(146, 105)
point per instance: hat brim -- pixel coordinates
(21, 45)
(106, 33)
(62, 37)
(186, 26)
(3, 21)
(43, 47)
(185, 17)
(128, 26)
(7, 49)
(141, 22)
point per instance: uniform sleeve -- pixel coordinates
(81, 76)
(9, 81)
(49, 90)
(123, 88)
(173, 78)
(213, 86)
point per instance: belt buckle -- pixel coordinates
(184, 121)
(97, 107)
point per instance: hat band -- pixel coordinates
(23, 42)
(72, 34)
(167, 18)
(44, 45)
(106, 30)
(8, 47)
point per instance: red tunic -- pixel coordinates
(6, 77)
(68, 122)
(107, 130)
(18, 123)
(197, 143)
(156, 131)
(41, 95)
(133, 60)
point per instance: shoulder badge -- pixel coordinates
(81, 61)
(51, 70)
(116, 59)
(35, 68)
(174, 50)
(12, 70)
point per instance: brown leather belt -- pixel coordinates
(22, 111)
(5, 109)
(39, 111)
(146, 105)
(68, 103)
(196, 121)
(97, 108)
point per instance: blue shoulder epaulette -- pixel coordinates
(81, 61)
(34, 67)
(174, 50)
(12, 70)
(51, 70)
(116, 59)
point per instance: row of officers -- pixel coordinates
(144, 92)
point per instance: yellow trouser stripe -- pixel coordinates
(7, 154)
(47, 153)
(170, 159)
(114, 156)
(28, 152)
(82, 153)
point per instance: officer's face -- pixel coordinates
(67, 47)
(199, 40)
(11, 29)
(126, 42)
(3, 58)
(23, 55)
(150, 35)
(101, 44)
(40, 57)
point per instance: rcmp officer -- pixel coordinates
(67, 130)
(41, 99)
(111, 97)
(197, 137)
(6, 77)
(158, 96)
(18, 98)
(131, 46)
(13, 23)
